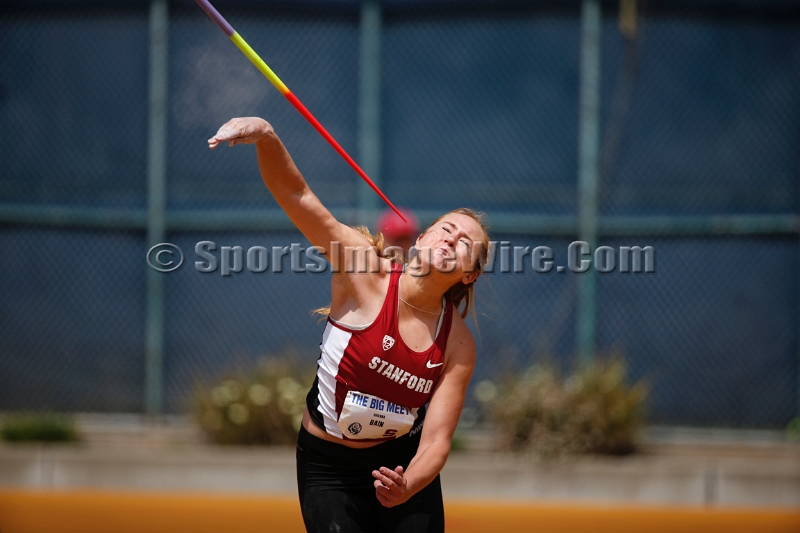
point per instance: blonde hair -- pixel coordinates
(459, 292)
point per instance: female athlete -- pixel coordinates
(395, 358)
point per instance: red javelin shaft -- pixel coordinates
(322, 131)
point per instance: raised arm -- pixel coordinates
(394, 487)
(292, 193)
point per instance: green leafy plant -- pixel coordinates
(39, 427)
(263, 405)
(594, 410)
(793, 430)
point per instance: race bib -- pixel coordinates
(369, 417)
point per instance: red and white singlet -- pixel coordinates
(370, 385)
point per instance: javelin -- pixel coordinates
(284, 90)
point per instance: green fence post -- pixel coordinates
(369, 108)
(588, 168)
(156, 204)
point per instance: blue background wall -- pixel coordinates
(700, 116)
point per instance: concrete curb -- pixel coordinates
(754, 472)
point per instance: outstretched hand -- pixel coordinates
(391, 487)
(245, 130)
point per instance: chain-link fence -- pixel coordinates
(74, 101)
(700, 118)
(700, 122)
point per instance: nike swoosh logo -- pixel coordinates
(433, 366)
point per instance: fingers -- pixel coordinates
(390, 478)
(385, 501)
(390, 486)
(228, 132)
(385, 495)
(240, 130)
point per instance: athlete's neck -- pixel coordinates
(420, 293)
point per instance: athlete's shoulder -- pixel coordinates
(364, 290)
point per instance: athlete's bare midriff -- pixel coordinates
(312, 428)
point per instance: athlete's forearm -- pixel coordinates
(278, 170)
(426, 465)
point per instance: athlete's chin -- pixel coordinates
(444, 265)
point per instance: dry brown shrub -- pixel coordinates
(594, 410)
(262, 405)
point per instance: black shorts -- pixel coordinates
(336, 488)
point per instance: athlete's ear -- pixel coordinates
(470, 277)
